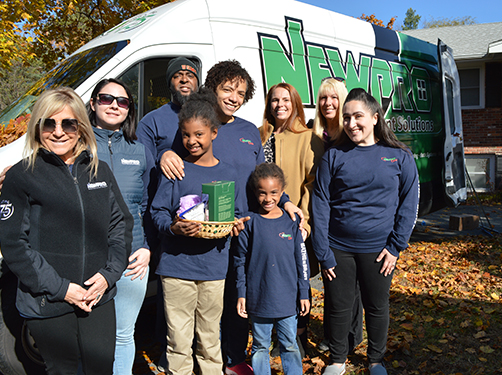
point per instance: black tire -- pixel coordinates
(16, 345)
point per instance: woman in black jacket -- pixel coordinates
(67, 237)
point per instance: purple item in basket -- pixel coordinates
(189, 201)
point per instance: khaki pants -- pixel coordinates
(193, 305)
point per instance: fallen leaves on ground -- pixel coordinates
(445, 313)
(445, 309)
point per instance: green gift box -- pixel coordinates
(221, 203)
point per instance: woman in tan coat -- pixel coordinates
(297, 150)
(290, 144)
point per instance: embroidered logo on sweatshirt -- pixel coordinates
(284, 235)
(248, 141)
(6, 210)
(129, 162)
(392, 160)
(96, 185)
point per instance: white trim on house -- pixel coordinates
(495, 47)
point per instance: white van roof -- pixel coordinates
(190, 24)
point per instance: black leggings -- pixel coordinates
(350, 269)
(64, 339)
(355, 336)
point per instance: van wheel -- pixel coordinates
(18, 353)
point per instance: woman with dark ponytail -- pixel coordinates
(364, 208)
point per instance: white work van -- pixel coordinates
(276, 41)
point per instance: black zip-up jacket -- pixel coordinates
(58, 227)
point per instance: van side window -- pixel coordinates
(147, 81)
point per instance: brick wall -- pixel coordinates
(482, 130)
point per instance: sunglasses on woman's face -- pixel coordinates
(107, 99)
(68, 125)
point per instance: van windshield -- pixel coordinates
(71, 72)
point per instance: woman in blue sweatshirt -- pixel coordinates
(364, 209)
(113, 116)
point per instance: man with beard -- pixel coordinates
(158, 129)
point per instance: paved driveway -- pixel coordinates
(436, 225)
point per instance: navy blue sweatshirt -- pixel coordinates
(272, 266)
(159, 129)
(184, 257)
(365, 199)
(238, 144)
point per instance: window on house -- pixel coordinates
(481, 170)
(470, 87)
(493, 85)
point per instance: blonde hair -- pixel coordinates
(328, 86)
(52, 102)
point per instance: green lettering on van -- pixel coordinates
(401, 99)
(355, 75)
(280, 65)
(381, 82)
(421, 89)
(132, 23)
(358, 76)
(390, 82)
(318, 68)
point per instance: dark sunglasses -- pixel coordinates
(68, 125)
(107, 99)
(339, 79)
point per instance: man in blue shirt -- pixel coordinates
(157, 130)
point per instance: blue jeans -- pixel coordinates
(128, 302)
(286, 333)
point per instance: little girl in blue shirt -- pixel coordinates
(193, 270)
(272, 274)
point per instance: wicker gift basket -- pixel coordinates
(213, 229)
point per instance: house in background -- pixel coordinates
(477, 50)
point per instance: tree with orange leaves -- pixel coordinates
(50, 30)
(375, 21)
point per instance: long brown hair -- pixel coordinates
(296, 106)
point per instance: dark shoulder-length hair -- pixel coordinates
(297, 112)
(129, 125)
(382, 131)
